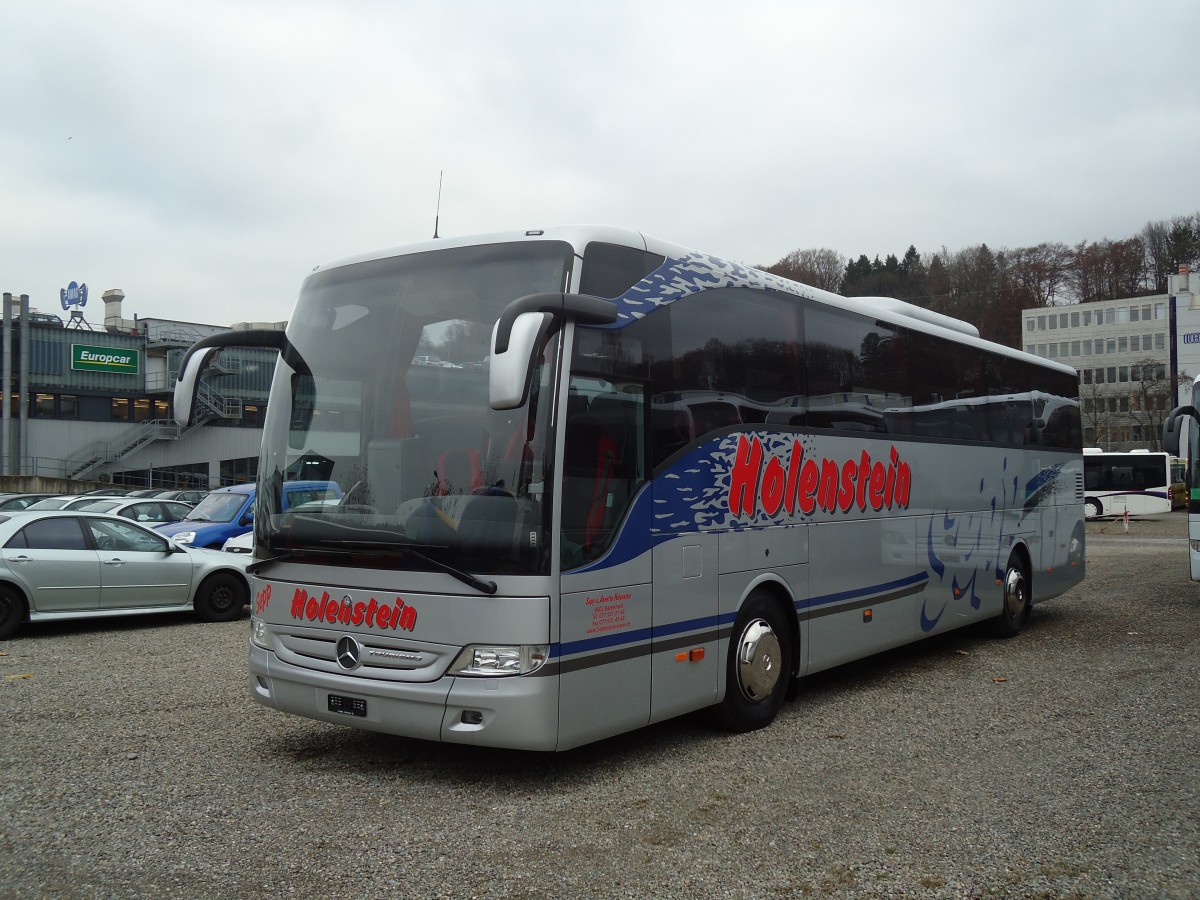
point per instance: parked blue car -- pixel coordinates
(228, 512)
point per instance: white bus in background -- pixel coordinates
(1137, 482)
(671, 487)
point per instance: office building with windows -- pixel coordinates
(1121, 349)
(89, 402)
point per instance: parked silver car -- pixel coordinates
(71, 565)
(140, 509)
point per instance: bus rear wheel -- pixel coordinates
(1014, 611)
(759, 665)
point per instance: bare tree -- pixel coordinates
(1096, 414)
(821, 268)
(1041, 272)
(1151, 399)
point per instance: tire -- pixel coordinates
(221, 598)
(12, 612)
(1014, 612)
(1092, 508)
(759, 667)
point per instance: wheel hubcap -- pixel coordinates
(1014, 593)
(758, 661)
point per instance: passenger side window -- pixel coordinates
(50, 534)
(110, 535)
(857, 370)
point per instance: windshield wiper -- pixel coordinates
(408, 547)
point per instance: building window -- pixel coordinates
(1054, 321)
(68, 406)
(1087, 348)
(1112, 375)
(239, 471)
(1123, 344)
(1123, 373)
(1041, 323)
(1133, 314)
(1110, 316)
(1074, 348)
(1087, 376)
(1112, 345)
(1145, 312)
(1135, 343)
(120, 409)
(1029, 323)
(1160, 311)
(1160, 342)
(1062, 349)
(42, 406)
(1074, 320)
(1041, 350)
(1087, 317)
(1054, 351)
(1122, 315)
(142, 410)
(1100, 376)
(1062, 320)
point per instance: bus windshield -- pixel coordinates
(383, 389)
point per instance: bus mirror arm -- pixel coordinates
(520, 332)
(200, 356)
(1174, 425)
(577, 307)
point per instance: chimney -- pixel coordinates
(113, 323)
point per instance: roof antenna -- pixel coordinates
(438, 212)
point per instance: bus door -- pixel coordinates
(606, 611)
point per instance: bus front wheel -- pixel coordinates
(759, 665)
(1014, 611)
(1092, 508)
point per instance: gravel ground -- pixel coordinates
(1059, 764)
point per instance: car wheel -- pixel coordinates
(759, 665)
(12, 612)
(221, 598)
(1014, 612)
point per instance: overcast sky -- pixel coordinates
(204, 157)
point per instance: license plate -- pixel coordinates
(348, 706)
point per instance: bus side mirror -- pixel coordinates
(1173, 427)
(193, 367)
(519, 333)
(200, 356)
(512, 368)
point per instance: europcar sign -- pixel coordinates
(86, 358)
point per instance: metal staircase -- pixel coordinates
(210, 405)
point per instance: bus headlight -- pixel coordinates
(258, 633)
(489, 661)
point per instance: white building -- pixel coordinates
(1122, 351)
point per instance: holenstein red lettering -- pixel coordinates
(384, 616)
(763, 481)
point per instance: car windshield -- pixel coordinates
(420, 456)
(217, 508)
